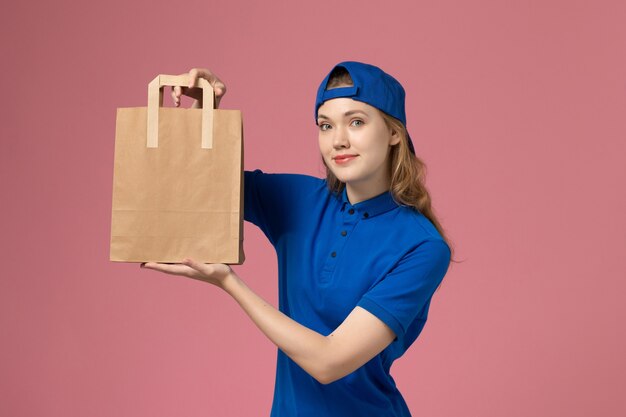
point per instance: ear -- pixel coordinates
(395, 137)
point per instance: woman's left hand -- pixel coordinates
(215, 274)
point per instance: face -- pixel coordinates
(350, 127)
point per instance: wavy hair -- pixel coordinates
(408, 172)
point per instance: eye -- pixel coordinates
(357, 120)
(322, 126)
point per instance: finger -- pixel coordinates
(220, 89)
(218, 85)
(193, 76)
(174, 269)
(195, 265)
(176, 93)
(174, 97)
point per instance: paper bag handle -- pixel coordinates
(155, 101)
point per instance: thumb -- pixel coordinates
(193, 264)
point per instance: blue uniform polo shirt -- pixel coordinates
(332, 257)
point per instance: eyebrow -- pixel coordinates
(348, 113)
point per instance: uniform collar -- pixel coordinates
(371, 207)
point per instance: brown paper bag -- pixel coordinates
(177, 181)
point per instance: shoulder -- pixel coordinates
(416, 227)
(285, 186)
(284, 178)
(419, 238)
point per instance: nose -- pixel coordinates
(340, 138)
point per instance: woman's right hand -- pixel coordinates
(195, 92)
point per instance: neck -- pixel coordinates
(362, 191)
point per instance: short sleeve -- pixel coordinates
(402, 294)
(261, 202)
(271, 199)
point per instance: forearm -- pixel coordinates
(304, 346)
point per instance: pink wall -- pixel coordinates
(517, 108)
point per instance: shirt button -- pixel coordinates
(366, 215)
(351, 211)
(343, 233)
(333, 254)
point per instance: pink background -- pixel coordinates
(517, 107)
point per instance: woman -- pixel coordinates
(360, 253)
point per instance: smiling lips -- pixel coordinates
(341, 159)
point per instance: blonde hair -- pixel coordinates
(408, 172)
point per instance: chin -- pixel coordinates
(343, 175)
(344, 178)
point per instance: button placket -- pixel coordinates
(349, 223)
(350, 220)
